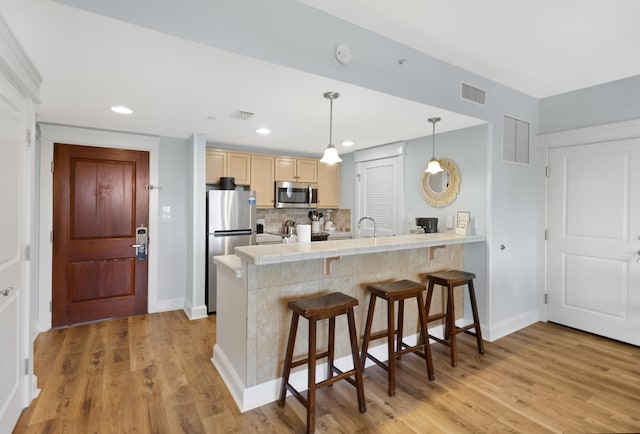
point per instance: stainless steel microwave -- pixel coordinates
(296, 195)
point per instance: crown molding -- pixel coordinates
(16, 65)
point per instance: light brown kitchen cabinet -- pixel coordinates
(296, 169)
(216, 165)
(328, 185)
(239, 167)
(228, 163)
(262, 179)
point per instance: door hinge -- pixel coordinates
(51, 236)
(358, 176)
(546, 171)
(50, 306)
(27, 137)
(546, 298)
(26, 366)
(546, 234)
(27, 252)
(52, 167)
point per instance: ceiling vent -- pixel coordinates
(241, 115)
(472, 94)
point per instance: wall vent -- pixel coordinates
(241, 115)
(472, 94)
(515, 140)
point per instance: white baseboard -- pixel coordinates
(194, 312)
(510, 325)
(248, 398)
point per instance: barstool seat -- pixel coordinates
(315, 309)
(449, 280)
(391, 292)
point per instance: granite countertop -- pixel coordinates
(278, 253)
(270, 237)
(231, 263)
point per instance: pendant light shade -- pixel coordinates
(434, 165)
(330, 155)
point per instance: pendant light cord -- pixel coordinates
(330, 120)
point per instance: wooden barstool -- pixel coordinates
(392, 292)
(315, 309)
(449, 280)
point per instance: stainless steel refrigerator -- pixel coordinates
(231, 218)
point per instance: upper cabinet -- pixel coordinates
(225, 163)
(216, 165)
(239, 167)
(328, 185)
(296, 169)
(259, 171)
(262, 181)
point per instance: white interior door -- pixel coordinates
(380, 194)
(594, 238)
(12, 327)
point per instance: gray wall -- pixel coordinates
(467, 148)
(289, 33)
(174, 180)
(606, 103)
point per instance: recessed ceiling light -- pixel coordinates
(348, 143)
(122, 110)
(263, 131)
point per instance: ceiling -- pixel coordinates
(176, 87)
(539, 47)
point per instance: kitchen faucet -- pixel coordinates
(368, 218)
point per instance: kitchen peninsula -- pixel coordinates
(256, 283)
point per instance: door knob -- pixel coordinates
(7, 291)
(136, 245)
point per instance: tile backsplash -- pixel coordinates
(275, 218)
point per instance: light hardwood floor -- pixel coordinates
(153, 373)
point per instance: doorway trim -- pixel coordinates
(52, 133)
(580, 136)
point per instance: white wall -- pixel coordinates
(173, 180)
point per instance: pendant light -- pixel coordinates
(433, 166)
(330, 155)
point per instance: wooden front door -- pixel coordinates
(100, 197)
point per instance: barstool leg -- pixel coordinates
(356, 361)
(424, 332)
(311, 374)
(286, 370)
(451, 325)
(476, 317)
(400, 327)
(367, 331)
(332, 334)
(391, 354)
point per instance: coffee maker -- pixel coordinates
(428, 224)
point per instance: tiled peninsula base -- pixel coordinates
(252, 323)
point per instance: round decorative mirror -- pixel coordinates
(442, 188)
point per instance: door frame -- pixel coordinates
(385, 152)
(581, 136)
(50, 134)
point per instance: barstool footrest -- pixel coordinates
(376, 361)
(306, 359)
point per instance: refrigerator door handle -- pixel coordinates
(232, 232)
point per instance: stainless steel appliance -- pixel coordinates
(296, 195)
(231, 220)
